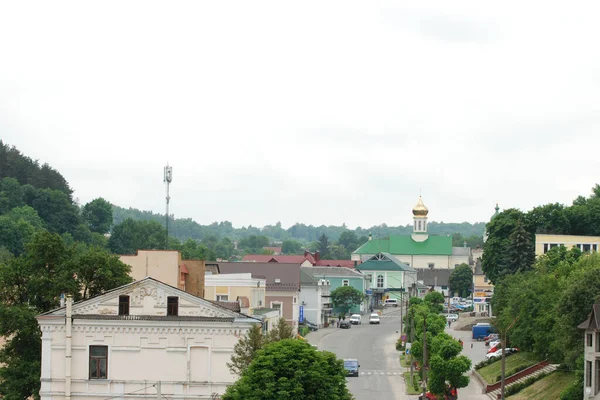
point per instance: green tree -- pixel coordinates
(98, 215)
(224, 249)
(289, 370)
(291, 247)
(349, 240)
(246, 348)
(254, 243)
(520, 251)
(435, 301)
(56, 209)
(345, 297)
(446, 367)
(461, 280)
(130, 236)
(281, 331)
(323, 246)
(97, 270)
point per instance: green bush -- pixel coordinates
(485, 363)
(517, 387)
(304, 331)
(399, 345)
(573, 392)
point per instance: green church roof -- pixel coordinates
(433, 245)
(384, 262)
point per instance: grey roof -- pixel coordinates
(287, 273)
(306, 278)
(461, 251)
(332, 272)
(434, 277)
(593, 320)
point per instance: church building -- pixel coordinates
(419, 250)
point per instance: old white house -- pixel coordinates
(142, 340)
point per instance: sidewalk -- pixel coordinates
(316, 336)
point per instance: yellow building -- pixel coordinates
(236, 287)
(544, 242)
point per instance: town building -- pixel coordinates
(167, 266)
(419, 250)
(306, 260)
(339, 276)
(315, 297)
(435, 279)
(591, 364)
(242, 288)
(282, 285)
(387, 278)
(545, 242)
(140, 341)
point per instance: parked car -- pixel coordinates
(311, 326)
(374, 319)
(452, 317)
(345, 324)
(351, 365)
(493, 343)
(391, 303)
(493, 348)
(355, 319)
(491, 337)
(498, 353)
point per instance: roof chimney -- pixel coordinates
(370, 236)
(317, 255)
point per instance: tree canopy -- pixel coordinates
(461, 280)
(345, 297)
(288, 370)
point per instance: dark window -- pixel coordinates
(589, 339)
(379, 281)
(588, 373)
(586, 248)
(597, 376)
(123, 305)
(172, 305)
(597, 342)
(431, 265)
(546, 247)
(98, 362)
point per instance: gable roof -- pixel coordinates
(433, 245)
(335, 263)
(434, 277)
(306, 278)
(593, 320)
(384, 262)
(287, 273)
(225, 314)
(332, 272)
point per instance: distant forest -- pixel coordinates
(187, 228)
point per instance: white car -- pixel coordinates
(493, 343)
(452, 317)
(355, 319)
(497, 353)
(374, 319)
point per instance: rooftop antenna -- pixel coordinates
(168, 177)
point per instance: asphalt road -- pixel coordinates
(374, 347)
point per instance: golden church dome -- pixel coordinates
(420, 209)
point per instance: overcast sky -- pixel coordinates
(320, 112)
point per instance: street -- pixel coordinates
(374, 347)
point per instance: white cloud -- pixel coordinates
(314, 112)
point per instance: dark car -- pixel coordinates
(351, 365)
(345, 324)
(312, 327)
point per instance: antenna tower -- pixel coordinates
(168, 177)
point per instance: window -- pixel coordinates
(589, 339)
(98, 362)
(485, 279)
(444, 287)
(597, 376)
(456, 265)
(595, 247)
(379, 281)
(345, 282)
(586, 248)
(431, 265)
(597, 342)
(588, 374)
(295, 300)
(277, 306)
(123, 305)
(172, 305)
(222, 297)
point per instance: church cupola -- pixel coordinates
(420, 221)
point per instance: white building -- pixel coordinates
(315, 298)
(137, 340)
(591, 366)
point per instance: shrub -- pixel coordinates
(573, 391)
(485, 363)
(304, 331)
(399, 345)
(517, 387)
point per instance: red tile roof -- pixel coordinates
(258, 258)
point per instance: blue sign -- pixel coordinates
(301, 314)
(369, 291)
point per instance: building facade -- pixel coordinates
(387, 278)
(591, 364)
(340, 276)
(232, 287)
(315, 297)
(137, 340)
(545, 242)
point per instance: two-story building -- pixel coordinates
(282, 285)
(340, 276)
(236, 287)
(140, 341)
(591, 365)
(315, 298)
(387, 278)
(545, 242)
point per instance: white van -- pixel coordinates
(391, 302)
(355, 319)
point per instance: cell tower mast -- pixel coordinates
(167, 179)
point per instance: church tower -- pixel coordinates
(420, 222)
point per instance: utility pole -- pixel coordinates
(158, 392)
(412, 340)
(401, 311)
(503, 336)
(424, 366)
(168, 177)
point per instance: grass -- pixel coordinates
(492, 371)
(404, 361)
(548, 388)
(410, 389)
